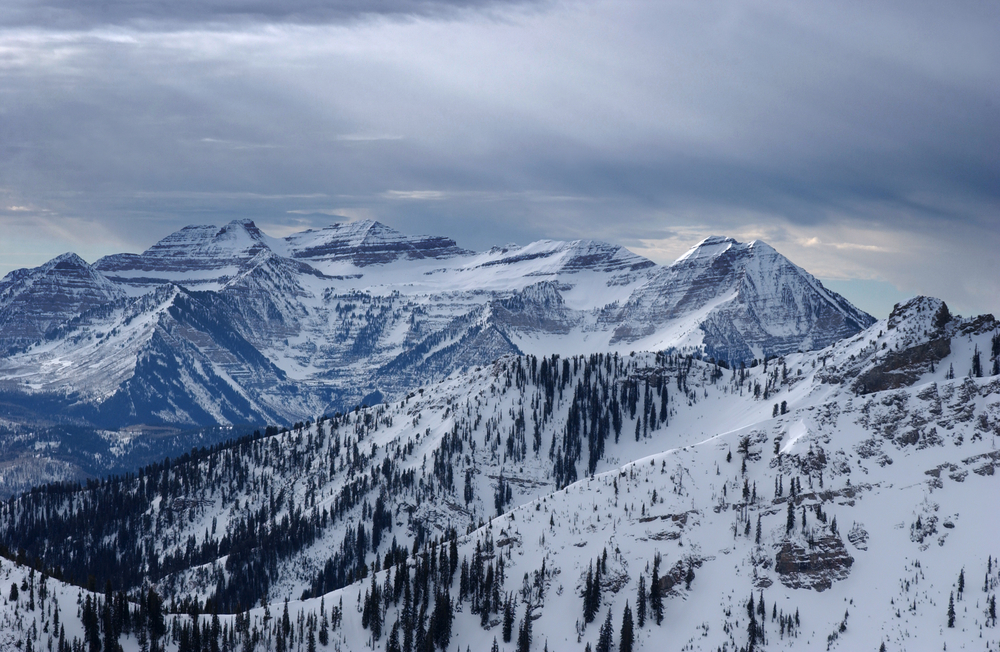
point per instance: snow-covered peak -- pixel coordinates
(208, 247)
(602, 256)
(358, 306)
(66, 261)
(34, 300)
(919, 312)
(741, 301)
(198, 247)
(202, 257)
(710, 247)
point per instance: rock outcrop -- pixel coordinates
(815, 565)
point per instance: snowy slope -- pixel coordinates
(887, 493)
(170, 356)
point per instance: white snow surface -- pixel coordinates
(877, 463)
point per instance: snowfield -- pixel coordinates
(842, 491)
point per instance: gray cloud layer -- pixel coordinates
(860, 140)
(176, 14)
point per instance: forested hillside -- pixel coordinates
(819, 499)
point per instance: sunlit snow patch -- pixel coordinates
(795, 432)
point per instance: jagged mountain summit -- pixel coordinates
(833, 499)
(230, 325)
(34, 301)
(747, 299)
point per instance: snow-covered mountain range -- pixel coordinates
(228, 325)
(830, 499)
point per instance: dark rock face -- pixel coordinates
(574, 257)
(903, 368)
(676, 577)
(537, 307)
(267, 295)
(368, 243)
(185, 371)
(816, 566)
(471, 344)
(923, 328)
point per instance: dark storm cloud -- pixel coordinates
(860, 139)
(178, 14)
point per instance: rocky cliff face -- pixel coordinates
(367, 243)
(33, 301)
(815, 564)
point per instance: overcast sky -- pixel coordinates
(860, 139)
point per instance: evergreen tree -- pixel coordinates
(588, 596)
(375, 610)
(107, 620)
(508, 620)
(420, 633)
(324, 627)
(154, 616)
(627, 635)
(640, 602)
(392, 645)
(655, 597)
(407, 617)
(752, 629)
(91, 629)
(596, 601)
(605, 639)
(442, 620)
(951, 609)
(524, 633)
